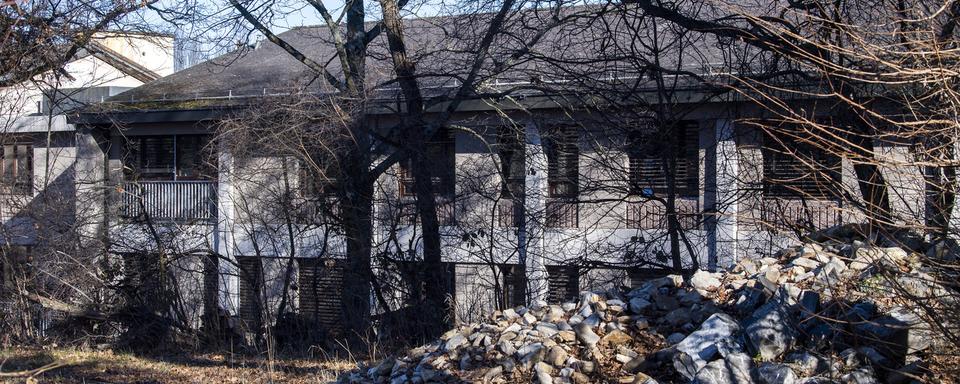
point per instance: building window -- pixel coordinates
(798, 170)
(320, 290)
(563, 282)
(563, 162)
(15, 265)
(17, 169)
(651, 154)
(511, 149)
(171, 157)
(441, 158)
(251, 282)
(514, 285)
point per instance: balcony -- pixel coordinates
(653, 214)
(794, 214)
(169, 200)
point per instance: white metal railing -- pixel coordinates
(169, 200)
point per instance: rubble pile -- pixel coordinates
(816, 313)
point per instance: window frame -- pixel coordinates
(779, 180)
(170, 161)
(562, 149)
(16, 178)
(644, 180)
(442, 155)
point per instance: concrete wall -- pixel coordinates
(730, 161)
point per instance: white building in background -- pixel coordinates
(38, 148)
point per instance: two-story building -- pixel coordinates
(537, 200)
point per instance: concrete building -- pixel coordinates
(554, 206)
(40, 177)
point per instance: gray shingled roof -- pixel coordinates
(440, 46)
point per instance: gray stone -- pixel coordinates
(808, 364)
(506, 347)
(809, 303)
(554, 314)
(861, 311)
(543, 372)
(863, 375)
(586, 335)
(675, 337)
(454, 342)
(512, 328)
(701, 346)
(547, 329)
(678, 316)
(748, 300)
(771, 373)
(639, 304)
(593, 321)
(806, 263)
(770, 330)
(493, 373)
(529, 349)
(815, 380)
(666, 302)
(705, 282)
(721, 372)
(557, 356)
(898, 333)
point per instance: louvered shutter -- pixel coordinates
(563, 161)
(796, 170)
(321, 292)
(648, 173)
(251, 283)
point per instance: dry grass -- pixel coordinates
(115, 367)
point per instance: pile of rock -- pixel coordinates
(817, 313)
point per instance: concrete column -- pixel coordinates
(722, 196)
(91, 198)
(534, 206)
(224, 244)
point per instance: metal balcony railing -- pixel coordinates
(653, 214)
(780, 213)
(169, 200)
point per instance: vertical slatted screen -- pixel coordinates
(441, 157)
(251, 283)
(321, 292)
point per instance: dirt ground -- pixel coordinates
(71, 366)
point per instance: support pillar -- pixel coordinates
(722, 196)
(534, 207)
(224, 245)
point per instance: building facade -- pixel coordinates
(536, 200)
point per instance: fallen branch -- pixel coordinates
(36, 371)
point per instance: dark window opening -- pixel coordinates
(15, 266)
(320, 290)
(563, 282)
(651, 151)
(17, 169)
(511, 149)
(563, 161)
(171, 157)
(795, 169)
(441, 158)
(251, 283)
(514, 285)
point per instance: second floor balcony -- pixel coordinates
(182, 201)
